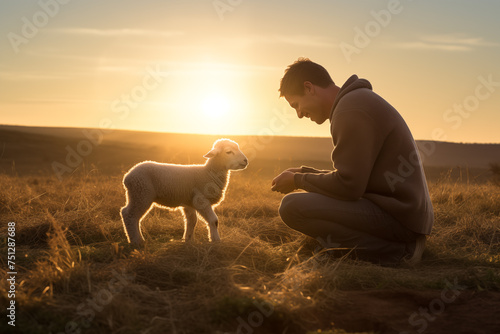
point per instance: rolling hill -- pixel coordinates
(36, 149)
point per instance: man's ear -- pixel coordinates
(213, 152)
(308, 88)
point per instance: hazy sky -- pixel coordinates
(214, 66)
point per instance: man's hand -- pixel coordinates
(284, 183)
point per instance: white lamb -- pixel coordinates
(193, 188)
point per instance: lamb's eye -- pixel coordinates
(229, 152)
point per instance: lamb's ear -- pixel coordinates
(212, 153)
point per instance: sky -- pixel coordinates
(214, 66)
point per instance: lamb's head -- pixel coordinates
(227, 153)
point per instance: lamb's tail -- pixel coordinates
(132, 179)
(127, 180)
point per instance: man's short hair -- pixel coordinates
(300, 71)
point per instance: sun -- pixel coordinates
(215, 105)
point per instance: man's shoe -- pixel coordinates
(415, 252)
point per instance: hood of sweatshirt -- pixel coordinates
(351, 84)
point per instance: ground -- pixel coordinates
(76, 272)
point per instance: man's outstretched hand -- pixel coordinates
(284, 183)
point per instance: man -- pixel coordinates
(375, 200)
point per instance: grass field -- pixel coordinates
(77, 274)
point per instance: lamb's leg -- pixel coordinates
(132, 215)
(190, 220)
(212, 222)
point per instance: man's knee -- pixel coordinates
(288, 209)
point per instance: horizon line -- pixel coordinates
(211, 134)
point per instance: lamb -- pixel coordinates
(192, 188)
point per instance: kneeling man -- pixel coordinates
(375, 200)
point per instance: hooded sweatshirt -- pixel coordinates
(374, 157)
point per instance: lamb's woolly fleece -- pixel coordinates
(177, 185)
(192, 187)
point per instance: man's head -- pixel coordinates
(309, 89)
(300, 71)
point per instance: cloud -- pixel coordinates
(92, 32)
(31, 76)
(450, 42)
(302, 40)
(212, 68)
(293, 40)
(256, 40)
(52, 101)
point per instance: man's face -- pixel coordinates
(307, 105)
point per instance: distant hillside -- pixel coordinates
(36, 148)
(463, 155)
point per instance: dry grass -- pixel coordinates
(71, 248)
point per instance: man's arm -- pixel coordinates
(306, 169)
(357, 141)
(312, 170)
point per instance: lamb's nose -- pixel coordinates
(245, 161)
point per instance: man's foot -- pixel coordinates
(415, 251)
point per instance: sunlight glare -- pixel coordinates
(215, 106)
